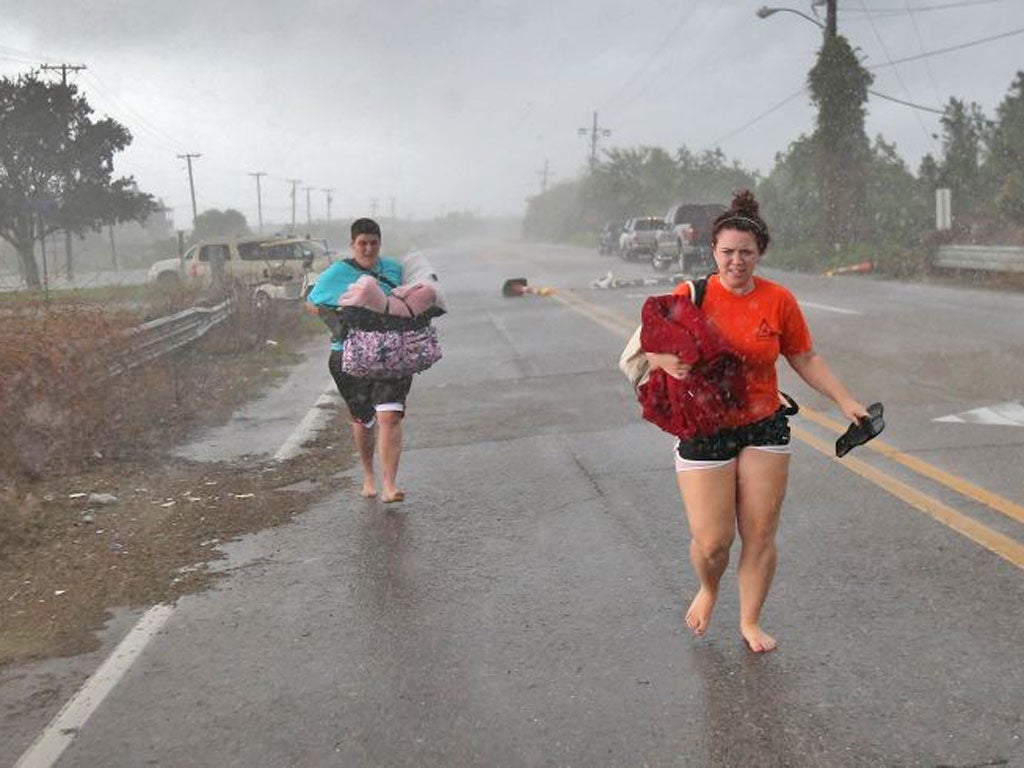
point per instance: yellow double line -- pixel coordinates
(1007, 548)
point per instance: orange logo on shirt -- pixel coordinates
(764, 331)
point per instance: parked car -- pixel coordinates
(686, 240)
(640, 236)
(275, 268)
(608, 241)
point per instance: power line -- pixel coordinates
(920, 45)
(686, 16)
(792, 96)
(156, 135)
(907, 103)
(925, 8)
(960, 47)
(760, 117)
(899, 77)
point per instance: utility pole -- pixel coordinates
(191, 185)
(544, 177)
(327, 192)
(309, 216)
(373, 207)
(259, 198)
(294, 183)
(595, 133)
(64, 69)
(392, 209)
(831, 26)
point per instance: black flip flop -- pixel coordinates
(859, 433)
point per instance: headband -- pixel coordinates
(758, 226)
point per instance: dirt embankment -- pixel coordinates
(94, 512)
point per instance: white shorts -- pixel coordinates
(687, 465)
(394, 407)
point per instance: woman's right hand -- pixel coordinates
(669, 363)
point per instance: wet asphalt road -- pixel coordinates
(524, 606)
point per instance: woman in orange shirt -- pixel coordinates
(736, 478)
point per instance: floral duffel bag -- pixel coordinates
(383, 346)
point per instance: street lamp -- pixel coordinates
(764, 12)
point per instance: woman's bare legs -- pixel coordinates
(364, 439)
(762, 477)
(390, 452)
(709, 496)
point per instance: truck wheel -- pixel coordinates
(168, 280)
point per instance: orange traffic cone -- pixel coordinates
(864, 266)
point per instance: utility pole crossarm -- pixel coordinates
(63, 69)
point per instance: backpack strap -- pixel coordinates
(698, 288)
(378, 275)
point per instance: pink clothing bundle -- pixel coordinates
(404, 301)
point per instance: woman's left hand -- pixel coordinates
(853, 410)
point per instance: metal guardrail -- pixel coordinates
(165, 334)
(1000, 258)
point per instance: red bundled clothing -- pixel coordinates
(699, 404)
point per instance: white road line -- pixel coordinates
(315, 418)
(62, 730)
(1005, 414)
(827, 308)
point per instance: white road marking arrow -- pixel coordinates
(1005, 414)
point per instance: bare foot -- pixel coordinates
(699, 614)
(390, 497)
(369, 490)
(758, 640)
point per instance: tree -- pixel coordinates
(707, 177)
(791, 195)
(1004, 166)
(56, 168)
(556, 214)
(839, 87)
(963, 128)
(215, 223)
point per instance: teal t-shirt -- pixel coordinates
(336, 279)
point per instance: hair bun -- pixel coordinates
(745, 204)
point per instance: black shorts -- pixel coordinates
(727, 443)
(362, 395)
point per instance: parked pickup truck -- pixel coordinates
(686, 239)
(640, 236)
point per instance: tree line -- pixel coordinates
(830, 196)
(56, 168)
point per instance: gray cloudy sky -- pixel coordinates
(453, 104)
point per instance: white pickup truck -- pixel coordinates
(640, 236)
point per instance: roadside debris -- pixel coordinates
(611, 281)
(518, 286)
(849, 269)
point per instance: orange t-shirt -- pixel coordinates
(759, 327)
